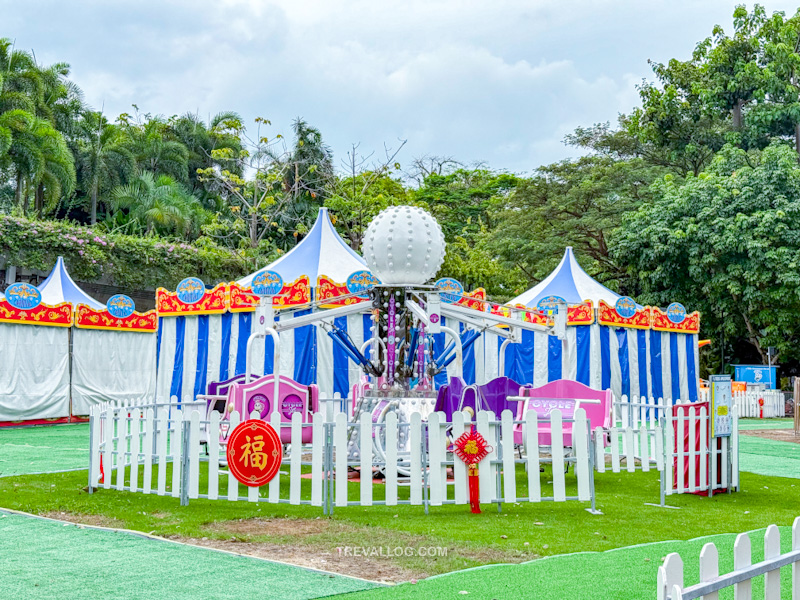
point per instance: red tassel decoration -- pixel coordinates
(472, 448)
(474, 489)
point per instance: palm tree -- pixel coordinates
(200, 139)
(155, 153)
(103, 157)
(157, 204)
(33, 101)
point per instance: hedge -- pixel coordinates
(126, 261)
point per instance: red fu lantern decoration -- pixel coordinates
(472, 448)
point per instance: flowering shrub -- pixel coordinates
(126, 261)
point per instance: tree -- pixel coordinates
(726, 243)
(156, 205)
(465, 199)
(103, 157)
(223, 131)
(148, 139)
(285, 184)
(359, 195)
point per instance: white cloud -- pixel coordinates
(501, 81)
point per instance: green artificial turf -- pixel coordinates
(43, 449)
(42, 559)
(628, 573)
(769, 457)
(766, 424)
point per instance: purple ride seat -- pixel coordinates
(493, 395)
(220, 388)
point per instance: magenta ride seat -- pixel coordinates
(567, 396)
(293, 397)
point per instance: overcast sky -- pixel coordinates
(495, 81)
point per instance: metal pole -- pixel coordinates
(499, 483)
(91, 446)
(661, 477)
(185, 465)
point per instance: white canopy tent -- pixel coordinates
(107, 365)
(321, 252)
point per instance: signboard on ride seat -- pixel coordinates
(720, 405)
(254, 453)
(544, 406)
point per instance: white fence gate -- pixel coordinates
(670, 574)
(766, 404)
(161, 449)
(694, 462)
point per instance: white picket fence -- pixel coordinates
(747, 403)
(670, 574)
(159, 449)
(635, 411)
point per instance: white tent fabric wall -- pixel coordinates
(111, 365)
(220, 353)
(34, 372)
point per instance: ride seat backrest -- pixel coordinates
(292, 397)
(566, 396)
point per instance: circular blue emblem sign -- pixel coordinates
(268, 283)
(625, 307)
(120, 306)
(450, 290)
(676, 313)
(361, 282)
(550, 303)
(190, 290)
(23, 296)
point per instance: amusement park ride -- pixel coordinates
(404, 248)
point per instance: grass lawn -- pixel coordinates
(521, 533)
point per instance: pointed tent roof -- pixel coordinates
(321, 252)
(59, 287)
(569, 281)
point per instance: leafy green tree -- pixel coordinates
(726, 243)
(466, 199)
(361, 192)
(103, 157)
(223, 131)
(578, 203)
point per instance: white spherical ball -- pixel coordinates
(416, 230)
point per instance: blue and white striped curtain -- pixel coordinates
(195, 350)
(632, 362)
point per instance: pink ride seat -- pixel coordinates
(567, 396)
(257, 396)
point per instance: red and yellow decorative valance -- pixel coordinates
(328, 290)
(213, 302)
(88, 318)
(580, 314)
(294, 294)
(474, 300)
(241, 299)
(608, 315)
(660, 322)
(59, 315)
